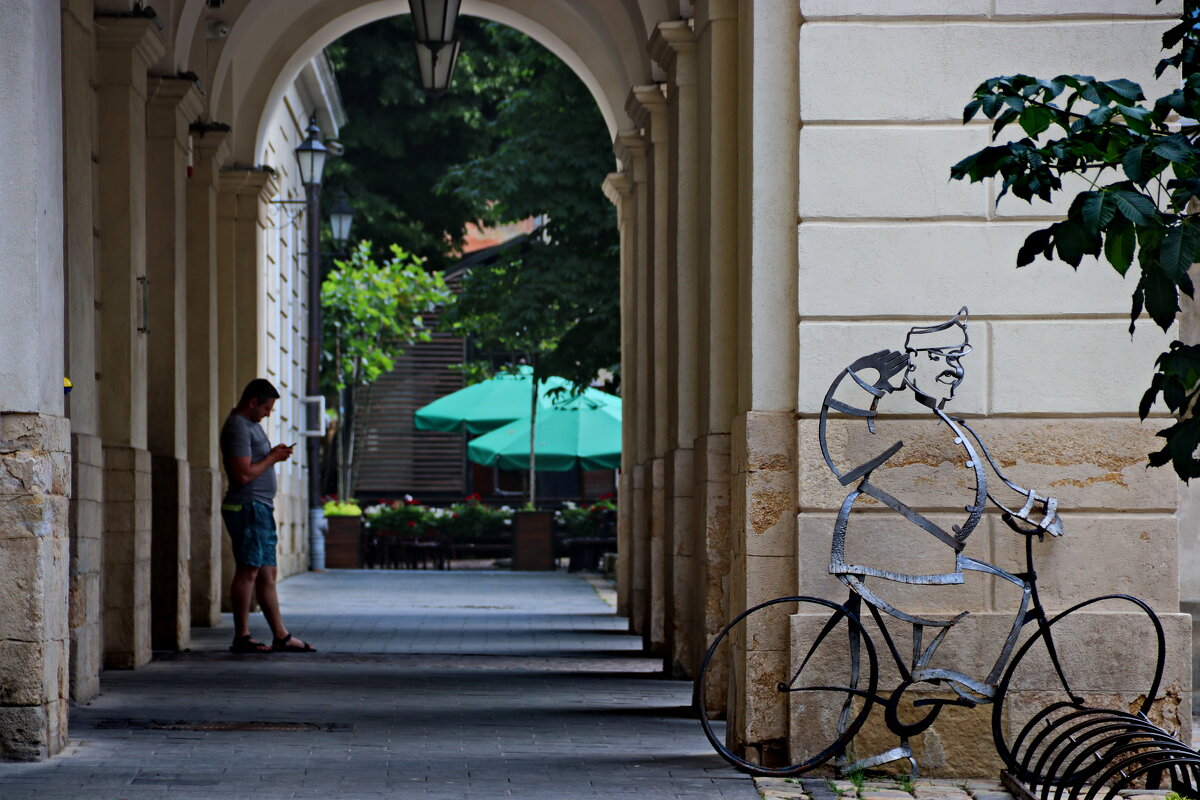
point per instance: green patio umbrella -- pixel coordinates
(583, 431)
(486, 405)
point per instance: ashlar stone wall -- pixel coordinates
(886, 242)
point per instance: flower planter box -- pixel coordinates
(533, 540)
(344, 543)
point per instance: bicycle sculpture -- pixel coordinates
(814, 661)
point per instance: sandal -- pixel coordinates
(281, 646)
(246, 644)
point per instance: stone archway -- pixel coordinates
(758, 246)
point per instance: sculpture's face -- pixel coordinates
(936, 373)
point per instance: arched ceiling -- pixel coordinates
(269, 41)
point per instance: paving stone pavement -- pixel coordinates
(428, 684)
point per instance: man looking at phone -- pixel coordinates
(249, 513)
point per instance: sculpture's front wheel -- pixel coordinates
(1104, 653)
(786, 685)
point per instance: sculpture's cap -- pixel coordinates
(949, 336)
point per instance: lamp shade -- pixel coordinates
(434, 19)
(435, 61)
(340, 217)
(311, 155)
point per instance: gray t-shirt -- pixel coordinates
(241, 437)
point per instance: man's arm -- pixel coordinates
(242, 470)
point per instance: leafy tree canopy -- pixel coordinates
(370, 312)
(1142, 162)
(517, 136)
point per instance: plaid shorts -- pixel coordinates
(252, 528)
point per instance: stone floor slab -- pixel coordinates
(427, 684)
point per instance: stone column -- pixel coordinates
(647, 106)
(250, 299)
(763, 497)
(764, 440)
(716, 319)
(637, 404)
(126, 47)
(673, 46)
(240, 339)
(34, 436)
(83, 407)
(204, 407)
(618, 190)
(173, 104)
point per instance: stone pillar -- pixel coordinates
(618, 189)
(764, 441)
(126, 47)
(647, 107)
(173, 104)
(250, 306)
(716, 319)
(240, 339)
(204, 407)
(638, 403)
(763, 496)
(34, 437)
(83, 407)
(673, 46)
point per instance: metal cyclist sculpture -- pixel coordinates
(931, 368)
(830, 681)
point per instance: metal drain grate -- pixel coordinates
(282, 727)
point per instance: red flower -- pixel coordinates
(412, 524)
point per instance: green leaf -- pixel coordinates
(1038, 242)
(1118, 248)
(1137, 208)
(1178, 251)
(1035, 120)
(1073, 242)
(1126, 88)
(1175, 148)
(991, 105)
(1150, 395)
(970, 110)
(1138, 119)
(1162, 300)
(1132, 164)
(1097, 210)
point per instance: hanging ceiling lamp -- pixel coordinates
(436, 45)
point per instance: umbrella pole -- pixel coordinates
(532, 440)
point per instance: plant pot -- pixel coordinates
(533, 540)
(343, 543)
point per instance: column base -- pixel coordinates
(682, 658)
(171, 552)
(86, 532)
(35, 464)
(205, 534)
(127, 525)
(655, 635)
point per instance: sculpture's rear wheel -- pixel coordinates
(1109, 653)
(786, 685)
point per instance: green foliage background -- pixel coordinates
(517, 136)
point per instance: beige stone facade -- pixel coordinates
(780, 177)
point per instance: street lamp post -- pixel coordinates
(311, 154)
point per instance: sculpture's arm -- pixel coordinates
(886, 364)
(1037, 513)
